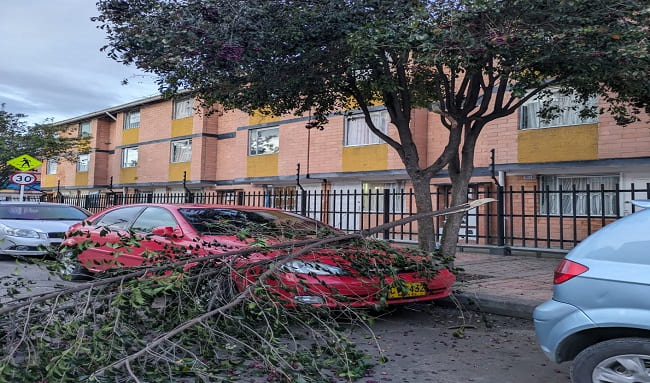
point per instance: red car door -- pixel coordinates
(155, 247)
(106, 234)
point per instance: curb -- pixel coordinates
(493, 304)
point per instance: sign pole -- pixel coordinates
(22, 193)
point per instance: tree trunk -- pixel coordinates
(426, 235)
(460, 172)
(459, 192)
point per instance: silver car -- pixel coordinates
(29, 228)
(599, 316)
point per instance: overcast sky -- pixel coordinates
(51, 66)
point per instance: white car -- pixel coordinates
(29, 228)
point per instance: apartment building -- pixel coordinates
(161, 146)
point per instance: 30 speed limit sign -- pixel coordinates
(23, 178)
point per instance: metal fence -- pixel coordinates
(526, 218)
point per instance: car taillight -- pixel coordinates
(567, 270)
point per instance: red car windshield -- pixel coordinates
(235, 222)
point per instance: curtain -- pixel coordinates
(182, 108)
(569, 114)
(358, 132)
(182, 151)
(591, 202)
(373, 197)
(132, 120)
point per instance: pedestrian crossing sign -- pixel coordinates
(24, 162)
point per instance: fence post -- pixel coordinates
(303, 203)
(501, 236)
(386, 212)
(240, 198)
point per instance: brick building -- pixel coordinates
(158, 146)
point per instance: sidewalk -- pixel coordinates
(511, 285)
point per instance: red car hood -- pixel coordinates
(345, 258)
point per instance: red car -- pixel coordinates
(332, 277)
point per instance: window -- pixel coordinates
(358, 133)
(181, 151)
(153, 217)
(263, 141)
(373, 197)
(50, 167)
(82, 162)
(183, 108)
(84, 129)
(129, 157)
(566, 110)
(132, 119)
(118, 219)
(595, 202)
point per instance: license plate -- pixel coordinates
(412, 290)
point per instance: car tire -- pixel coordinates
(614, 360)
(72, 268)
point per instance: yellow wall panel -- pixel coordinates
(182, 127)
(48, 180)
(176, 171)
(365, 158)
(81, 179)
(130, 136)
(265, 165)
(257, 117)
(569, 143)
(128, 175)
(352, 104)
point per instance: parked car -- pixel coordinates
(599, 316)
(29, 228)
(314, 278)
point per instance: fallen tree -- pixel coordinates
(164, 323)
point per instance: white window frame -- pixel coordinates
(51, 166)
(85, 129)
(569, 116)
(129, 118)
(594, 199)
(83, 163)
(363, 136)
(183, 108)
(254, 144)
(174, 154)
(127, 161)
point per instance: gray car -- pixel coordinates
(599, 316)
(29, 228)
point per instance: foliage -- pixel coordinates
(41, 141)
(471, 61)
(221, 320)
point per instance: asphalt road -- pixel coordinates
(418, 341)
(420, 344)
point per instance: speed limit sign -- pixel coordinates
(23, 178)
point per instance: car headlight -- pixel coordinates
(317, 268)
(25, 233)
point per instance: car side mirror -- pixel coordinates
(166, 231)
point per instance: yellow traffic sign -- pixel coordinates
(24, 162)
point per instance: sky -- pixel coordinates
(51, 65)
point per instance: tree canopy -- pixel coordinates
(40, 141)
(471, 61)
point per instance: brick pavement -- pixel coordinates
(505, 284)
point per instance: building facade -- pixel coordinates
(161, 146)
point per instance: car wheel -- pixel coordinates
(613, 361)
(72, 268)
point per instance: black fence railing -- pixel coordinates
(522, 217)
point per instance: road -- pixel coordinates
(419, 342)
